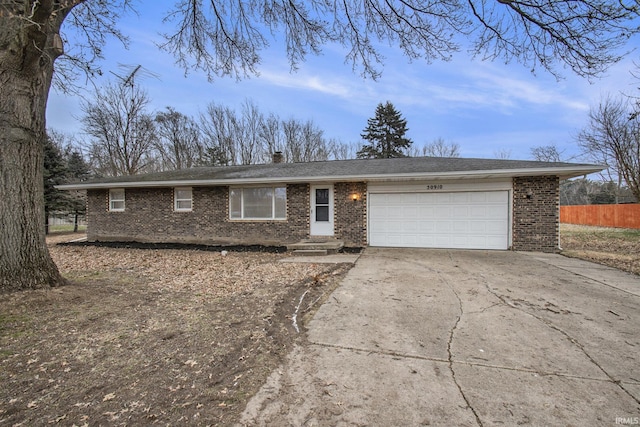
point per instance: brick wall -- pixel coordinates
(149, 217)
(536, 218)
(351, 216)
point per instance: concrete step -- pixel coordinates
(310, 252)
(330, 246)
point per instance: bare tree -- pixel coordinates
(585, 35)
(218, 125)
(439, 148)
(503, 153)
(226, 38)
(237, 137)
(179, 140)
(272, 136)
(342, 150)
(547, 153)
(122, 133)
(612, 138)
(304, 141)
(248, 129)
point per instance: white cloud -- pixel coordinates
(304, 81)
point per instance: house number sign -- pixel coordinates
(434, 187)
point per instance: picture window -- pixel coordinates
(258, 203)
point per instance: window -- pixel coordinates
(116, 200)
(182, 199)
(322, 204)
(258, 203)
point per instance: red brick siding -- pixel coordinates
(149, 217)
(536, 219)
(351, 216)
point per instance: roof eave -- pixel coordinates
(561, 172)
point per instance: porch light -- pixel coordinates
(355, 197)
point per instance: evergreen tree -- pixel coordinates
(385, 134)
(55, 172)
(78, 170)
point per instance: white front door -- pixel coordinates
(321, 215)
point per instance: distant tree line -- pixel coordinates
(123, 137)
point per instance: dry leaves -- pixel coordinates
(150, 337)
(202, 272)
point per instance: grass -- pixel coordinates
(67, 228)
(586, 232)
(615, 247)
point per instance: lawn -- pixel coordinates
(176, 337)
(151, 337)
(615, 247)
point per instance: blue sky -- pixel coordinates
(485, 107)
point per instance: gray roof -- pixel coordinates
(371, 170)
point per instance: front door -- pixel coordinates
(321, 222)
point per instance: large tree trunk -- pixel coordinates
(28, 47)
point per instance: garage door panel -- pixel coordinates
(459, 198)
(460, 212)
(496, 212)
(496, 196)
(478, 197)
(424, 198)
(426, 212)
(459, 227)
(443, 212)
(410, 212)
(426, 227)
(397, 212)
(478, 212)
(464, 220)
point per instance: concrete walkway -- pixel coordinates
(477, 338)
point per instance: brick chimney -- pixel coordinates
(277, 157)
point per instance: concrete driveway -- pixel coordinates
(477, 338)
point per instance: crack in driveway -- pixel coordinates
(505, 301)
(450, 340)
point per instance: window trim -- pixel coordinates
(273, 217)
(112, 199)
(176, 200)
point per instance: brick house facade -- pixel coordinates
(149, 217)
(530, 209)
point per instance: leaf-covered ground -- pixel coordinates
(615, 247)
(151, 337)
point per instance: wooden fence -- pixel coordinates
(621, 216)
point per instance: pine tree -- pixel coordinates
(78, 170)
(55, 172)
(385, 134)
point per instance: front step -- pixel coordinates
(316, 247)
(310, 252)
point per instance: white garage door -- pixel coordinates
(462, 220)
